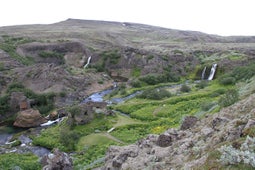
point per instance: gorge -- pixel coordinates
(124, 94)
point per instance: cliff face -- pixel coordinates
(194, 147)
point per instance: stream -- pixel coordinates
(25, 145)
(99, 97)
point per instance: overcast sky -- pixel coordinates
(222, 17)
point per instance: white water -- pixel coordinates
(88, 62)
(50, 122)
(213, 69)
(203, 74)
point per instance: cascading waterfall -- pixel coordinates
(203, 74)
(88, 62)
(213, 69)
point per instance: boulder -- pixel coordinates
(58, 114)
(29, 118)
(164, 140)
(57, 161)
(188, 122)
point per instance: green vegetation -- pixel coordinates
(11, 43)
(240, 73)
(53, 54)
(229, 98)
(136, 72)
(107, 58)
(43, 102)
(19, 161)
(4, 106)
(151, 79)
(155, 94)
(185, 88)
(2, 66)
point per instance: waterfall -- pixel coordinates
(213, 69)
(86, 65)
(203, 74)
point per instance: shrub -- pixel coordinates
(156, 79)
(52, 54)
(227, 81)
(218, 92)
(202, 84)
(136, 83)
(69, 139)
(15, 87)
(205, 106)
(4, 105)
(185, 88)
(155, 94)
(229, 98)
(245, 154)
(136, 72)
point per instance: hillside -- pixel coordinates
(112, 83)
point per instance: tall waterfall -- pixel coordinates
(203, 74)
(213, 69)
(88, 62)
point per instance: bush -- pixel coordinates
(229, 98)
(245, 154)
(52, 54)
(156, 79)
(227, 81)
(136, 84)
(218, 92)
(155, 94)
(69, 139)
(4, 105)
(185, 88)
(205, 106)
(202, 84)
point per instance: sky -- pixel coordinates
(221, 17)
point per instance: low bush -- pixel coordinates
(205, 106)
(4, 105)
(69, 139)
(229, 98)
(185, 88)
(136, 83)
(218, 92)
(162, 78)
(227, 80)
(202, 84)
(155, 94)
(245, 155)
(52, 54)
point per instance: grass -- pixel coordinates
(23, 161)
(125, 120)
(94, 139)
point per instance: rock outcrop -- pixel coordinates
(29, 118)
(86, 111)
(57, 161)
(190, 146)
(18, 101)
